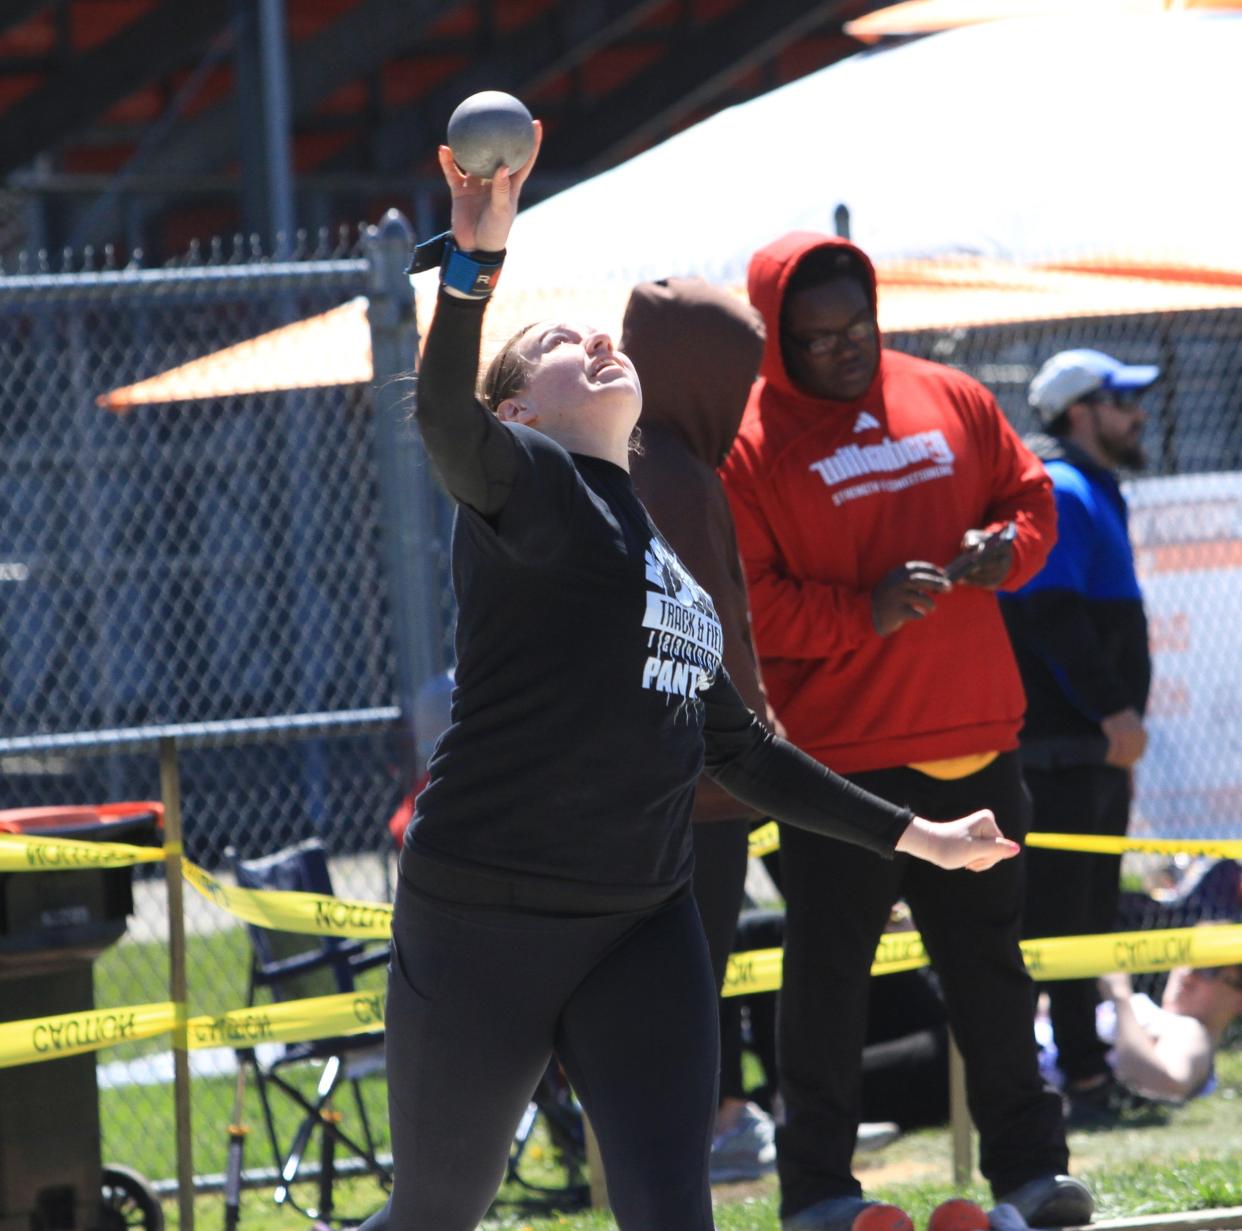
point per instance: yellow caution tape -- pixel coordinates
(293, 1021)
(758, 970)
(767, 838)
(73, 1034)
(24, 853)
(1079, 957)
(1057, 957)
(348, 1013)
(764, 840)
(1223, 848)
(285, 910)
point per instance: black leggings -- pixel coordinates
(721, 852)
(479, 1000)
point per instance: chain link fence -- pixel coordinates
(236, 557)
(190, 561)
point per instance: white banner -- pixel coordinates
(1187, 535)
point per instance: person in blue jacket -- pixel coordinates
(1080, 635)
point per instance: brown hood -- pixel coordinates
(696, 349)
(766, 279)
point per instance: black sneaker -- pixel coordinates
(1052, 1201)
(1107, 1104)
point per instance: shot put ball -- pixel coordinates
(490, 130)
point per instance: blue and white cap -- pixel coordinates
(1074, 374)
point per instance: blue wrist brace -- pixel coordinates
(472, 273)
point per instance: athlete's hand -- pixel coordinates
(1127, 738)
(986, 558)
(483, 210)
(906, 593)
(973, 842)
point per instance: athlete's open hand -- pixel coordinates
(973, 842)
(905, 593)
(483, 210)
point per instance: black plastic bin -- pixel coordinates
(53, 925)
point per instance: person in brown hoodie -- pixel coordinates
(697, 349)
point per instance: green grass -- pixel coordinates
(139, 1126)
(1177, 1160)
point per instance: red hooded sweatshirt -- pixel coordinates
(829, 496)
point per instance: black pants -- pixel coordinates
(479, 1000)
(837, 902)
(905, 1063)
(1070, 893)
(721, 851)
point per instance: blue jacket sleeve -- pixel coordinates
(1054, 612)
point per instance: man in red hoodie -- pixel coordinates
(880, 500)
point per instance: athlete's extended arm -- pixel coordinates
(772, 775)
(475, 455)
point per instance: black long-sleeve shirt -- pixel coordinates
(589, 688)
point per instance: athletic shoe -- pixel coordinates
(1006, 1218)
(848, 1214)
(876, 1135)
(958, 1214)
(1052, 1201)
(1104, 1105)
(745, 1152)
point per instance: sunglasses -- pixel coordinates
(1121, 399)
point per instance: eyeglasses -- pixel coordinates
(829, 341)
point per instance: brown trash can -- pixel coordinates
(53, 925)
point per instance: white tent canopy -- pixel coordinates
(1032, 139)
(1036, 140)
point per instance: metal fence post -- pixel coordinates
(406, 486)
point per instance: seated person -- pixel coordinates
(1166, 1051)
